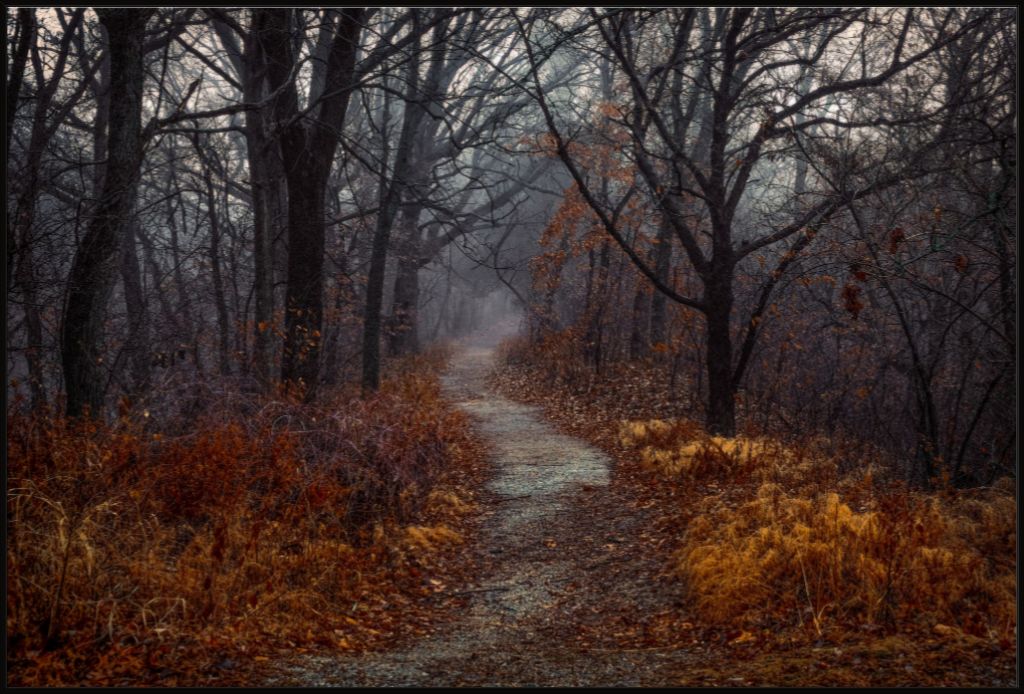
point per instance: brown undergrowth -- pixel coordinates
(186, 552)
(811, 542)
(800, 544)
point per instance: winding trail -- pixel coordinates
(517, 627)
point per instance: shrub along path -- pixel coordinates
(572, 586)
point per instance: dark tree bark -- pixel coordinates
(390, 196)
(718, 299)
(95, 265)
(659, 302)
(307, 148)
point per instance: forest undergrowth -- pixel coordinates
(796, 546)
(192, 547)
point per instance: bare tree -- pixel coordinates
(748, 117)
(94, 270)
(308, 143)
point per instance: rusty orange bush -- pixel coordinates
(267, 521)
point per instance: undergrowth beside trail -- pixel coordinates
(158, 552)
(795, 543)
(805, 540)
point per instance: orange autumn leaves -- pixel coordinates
(260, 522)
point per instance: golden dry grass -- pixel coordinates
(794, 543)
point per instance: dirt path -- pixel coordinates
(549, 573)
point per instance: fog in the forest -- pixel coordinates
(298, 196)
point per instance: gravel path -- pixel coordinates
(518, 626)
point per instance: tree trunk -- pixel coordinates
(263, 354)
(265, 207)
(663, 268)
(223, 327)
(391, 195)
(137, 343)
(721, 414)
(304, 298)
(403, 337)
(375, 281)
(307, 150)
(95, 265)
(637, 337)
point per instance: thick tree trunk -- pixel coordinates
(307, 150)
(304, 299)
(275, 195)
(262, 198)
(94, 269)
(267, 179)
(721, 413)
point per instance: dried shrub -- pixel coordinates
(791, 542)
(681, 448)
(266, 522)
(901, 559)
(556, 356)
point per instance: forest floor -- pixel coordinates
(568, 581)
